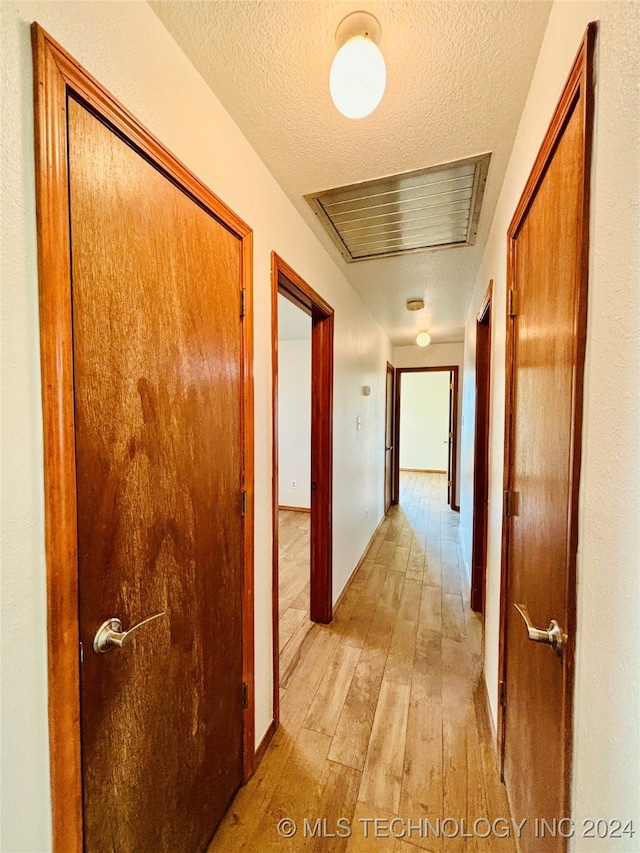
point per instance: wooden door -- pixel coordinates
(547, 325)
(481, 454)
(157, 392)
(388, 439)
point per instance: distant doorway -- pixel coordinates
(285, 282)
(426, 424)
(481, 453)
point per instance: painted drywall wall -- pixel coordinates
(424, 421)
(607, 690)
(126, 47)
(294, 422)
(437, 355)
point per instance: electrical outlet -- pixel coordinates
(358, 423)
(294, 484)
(366, 512)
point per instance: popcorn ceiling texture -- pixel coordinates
(457, 78)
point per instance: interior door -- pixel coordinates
(157, 387)
(450, 495)
(388, 439)
(546, 356)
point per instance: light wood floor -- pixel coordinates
(293, 565)
(383, 715)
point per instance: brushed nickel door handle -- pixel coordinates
(110, 633)
(553, 636)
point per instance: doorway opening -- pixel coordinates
(426, 416)
(288, 285)
(294, 483)
(481, 453)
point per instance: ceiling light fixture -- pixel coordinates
(358, 74)
(423, 339)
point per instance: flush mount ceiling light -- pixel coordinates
(358, 74)
(423, 339)
(415, 304)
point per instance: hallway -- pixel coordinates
(384, 715)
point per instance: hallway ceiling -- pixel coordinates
(458, 74)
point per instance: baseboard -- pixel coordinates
(425, 470)
(295, 508)
(264, 744)
(465, 560)
(494, 734)
(358, 564)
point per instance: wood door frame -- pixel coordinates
(580, 85)
(390, 370)
(286, 281)
(57, 76)
(481, 453)
(454, 370)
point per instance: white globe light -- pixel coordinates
(357, 78)
(423, 339)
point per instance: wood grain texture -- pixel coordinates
(412, 731)
(548, 268)
(56, 76)
(157, 382)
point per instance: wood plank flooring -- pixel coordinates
(294, 573)
(382, 712)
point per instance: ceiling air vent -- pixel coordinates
(430, 208)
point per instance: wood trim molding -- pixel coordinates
(56, 75)
(454, 370)
(425, 470)
(264, 744)
(481, 453)
(294, 508)
(286, 281)
(579, 90)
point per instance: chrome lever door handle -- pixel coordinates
(553, 636)
(110, 633)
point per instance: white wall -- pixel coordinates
(424, 421)
(126, 47)
(437, 355)
(606, 781)
(294, 422)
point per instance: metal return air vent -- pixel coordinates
(430, 208)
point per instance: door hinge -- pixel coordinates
(243, 302)
(245, 695)
(244, 503)
(511, 503)
(512, 303)
(450, 435)
(503, 694)
(449, 483)
(451, 388)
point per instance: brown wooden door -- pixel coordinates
(545, 358)
(157, 386)
(481, 454)
(388, 440)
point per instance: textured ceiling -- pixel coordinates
(457, 77)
